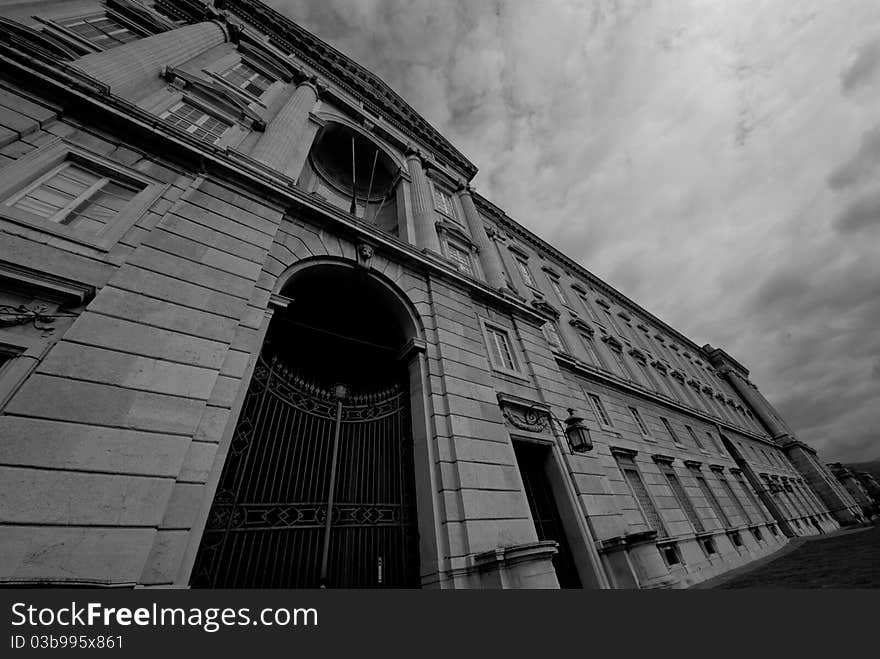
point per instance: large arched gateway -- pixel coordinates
(317, 487)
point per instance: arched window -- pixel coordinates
(351, 172)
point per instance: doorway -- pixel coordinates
(317, 489)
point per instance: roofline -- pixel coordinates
(369, 88)
(499, 215)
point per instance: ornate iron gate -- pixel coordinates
(316, 491)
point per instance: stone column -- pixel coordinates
(282, 146)
(488, 254)
(131, 66)
(422, 204)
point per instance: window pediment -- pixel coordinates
(226, 100)
(546, 308)
(613, 342)
(35, 43)
(516, 249)
(257, 53)
(138, 14)
(582, 325)
(638, 354)
(455, 230)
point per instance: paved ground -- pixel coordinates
(844, 560)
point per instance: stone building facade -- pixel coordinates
(258, 330)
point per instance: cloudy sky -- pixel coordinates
(718, 161)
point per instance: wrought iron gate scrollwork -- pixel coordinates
(268, 524)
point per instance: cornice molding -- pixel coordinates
(594, 373)
(372, 91)
(497, 215)
(68, 292)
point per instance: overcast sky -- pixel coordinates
(718, 161)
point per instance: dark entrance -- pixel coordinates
(532, 459)
(317, 488)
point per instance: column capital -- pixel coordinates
(412, 152)
(463, 188)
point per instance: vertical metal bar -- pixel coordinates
(326, 555)
(353, 210)
(370, 188)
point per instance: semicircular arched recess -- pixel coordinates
(344, 324)
(352, 171)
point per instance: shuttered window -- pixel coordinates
(100, 30)
(74, 195)
(640, 493)
(684, 501)
(204, 126)
(245, 77)
(711, 498)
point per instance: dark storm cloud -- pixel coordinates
(863, 68)
(715, 161)
(863, 213)
(862, 166)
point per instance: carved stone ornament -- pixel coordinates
(613, 342)
(660, 366)
(582, 325)
(533, 420)
(638, 354)
(22, 315)
(545, 308)
(364, 255)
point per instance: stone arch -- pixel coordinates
(406, 313)
(412, 365)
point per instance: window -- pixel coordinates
(589, 307)
(100, 30)
(193, 120)
(74, 195)
(709, 546)
(7, 355)
(500, 351)
(557, 289)
(634, 481)
(524, 272)
(621, 363)
(773, 530)
(69, 191)
(670, 554)
(592, 354)
(443, 202)
(245, 77)
(749, 495)
(736, 539)
(758, 535)
(461, 256)
(552, 334)
(639, 422)
(610, 318)
(717, 442)
(740, 508)
(681, 496)
(696, 439)
(646, 375)
(599, 410)
(711, 498)
(670, 431)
